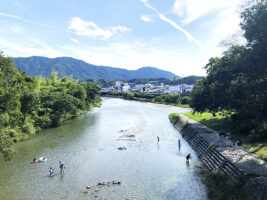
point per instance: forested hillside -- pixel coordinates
(190, 80)
(29, 104)
(66, 66)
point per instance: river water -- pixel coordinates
(88, 145)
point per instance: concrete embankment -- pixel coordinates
(221, 155)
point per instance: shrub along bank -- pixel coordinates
(29, 104)
(221, 187)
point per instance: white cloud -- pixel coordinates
(191, 10)
(33, 22)
(16, 29)
(10, 16)
(29, 48)
(144, 1)
(74, 40)
(224, 25)
(18, 5)
(188, 35)
(129, 55)
(90, 29)
(229, 21)
(146, 18)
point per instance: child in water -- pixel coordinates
(51, 171)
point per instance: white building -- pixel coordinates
(140, 87)
(126, 88)
(156, 90)
(118, 85)
(174, 89)
(189, 88)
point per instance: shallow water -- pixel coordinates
(88, 147)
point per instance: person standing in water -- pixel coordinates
(179, 144)
(187, 158)
(61, 166)
(158, 138)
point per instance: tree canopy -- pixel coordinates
(28, 104)
(237, 81)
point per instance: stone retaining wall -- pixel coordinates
(221, 155)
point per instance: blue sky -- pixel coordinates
(175, 35)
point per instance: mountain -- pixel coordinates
(65, 66)
(190, 80)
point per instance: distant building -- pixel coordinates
(126, 88)
(189, 88)
(156, 90)
(174, 89)
(118, 86)
(140, 88)
(150, 88)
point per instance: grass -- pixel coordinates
(221, 123)
(183, 105)
(208, 119)
(260, 149)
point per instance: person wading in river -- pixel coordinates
(51, 171)
(61, 166)
(187, 158)
(158, 138)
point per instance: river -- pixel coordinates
(88, 145)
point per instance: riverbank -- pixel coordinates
(7, 154)
(254, 168)
(165, 99)
(253, 143)
(29, 104)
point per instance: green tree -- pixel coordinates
(237, 82)
(29, 102)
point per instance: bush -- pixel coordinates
(128, 95)
(6, 144)
(221, 187)
(174, 118)
(29, 128)
(4, 119)
(43, 121)
(186, 100)
(245, 126)
(13, 133)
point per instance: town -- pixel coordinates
(160, 88)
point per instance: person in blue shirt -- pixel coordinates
(61, 166)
